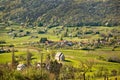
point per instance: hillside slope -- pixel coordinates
(62, 12)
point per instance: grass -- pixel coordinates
(50, 34)
(73, 57)
(111, 78)
(5, 58)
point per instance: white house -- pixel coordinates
(59, 56)
(20, 67)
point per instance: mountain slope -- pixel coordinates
(62, 12)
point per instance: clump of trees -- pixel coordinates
(2, 42)
(29, 74)
(54, 68)
(68, 72)
(114, 59)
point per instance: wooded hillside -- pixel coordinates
(61, 12)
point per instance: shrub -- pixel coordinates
(87, 48)
(68, 72)
(20, 30)
(11, 45)
(114, 72)
(101, 58)
(41, 32)
(40, 24)
(114, 59)
(2, 42)
(27, 32)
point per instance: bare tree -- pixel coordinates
(13, 57)
(28, 58)
(86, 66)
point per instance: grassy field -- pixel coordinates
(50, 34)
(72, 57)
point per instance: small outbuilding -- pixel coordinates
(43, 40)
(21, 67)
(59, 56)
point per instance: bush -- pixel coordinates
(40, 24)
(41, 32)
(68, 72)
(29, 74)
(87, 48)
(27, 32)
(101, 58)
(97, 32)
(114, 72)
(2, 42)
(20, 30)
(11, 45)
(89, 32)
(114, 59)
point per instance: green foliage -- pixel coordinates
(40, 24)
(30, 74)
(61, 12)
(55, 67)
(2, 42)
(114, 59)
(28, 58)
(68, 72)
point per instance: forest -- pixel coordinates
(52, 13)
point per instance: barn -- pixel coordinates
(20, 67)
(59, 56)
(43, 40)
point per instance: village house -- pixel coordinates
(2, 50)
(21, 67)
(43, 40)
(65, 43)
(39, 65)
(59, 56)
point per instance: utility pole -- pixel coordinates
(13, 58)
(41, 62)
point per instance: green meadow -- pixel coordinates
(74, 57)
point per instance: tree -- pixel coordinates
(48, 58)
(28, 58)
(54, 68)
(65, 34)
(86, 66)
(13, 58)
(113, 49)
(61, 38)
(52, 54)
(114, 72)
(68, 72)
(40, 24)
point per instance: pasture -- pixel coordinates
(99, 57)
(72, 57)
